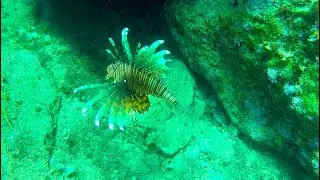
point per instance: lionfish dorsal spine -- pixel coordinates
(139, 56)
(117, 55)
(153, 47)
(125, 44)
(111, 54)
(138, 47)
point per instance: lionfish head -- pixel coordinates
(112, 71)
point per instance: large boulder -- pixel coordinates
(261, 60)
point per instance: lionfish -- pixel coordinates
(130, 79)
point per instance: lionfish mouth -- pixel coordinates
(134, 78)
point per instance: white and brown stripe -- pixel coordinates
(138, 81)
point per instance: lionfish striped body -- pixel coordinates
(134, 78)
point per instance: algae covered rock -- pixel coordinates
(261, 60)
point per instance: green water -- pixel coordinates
(217, 130)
